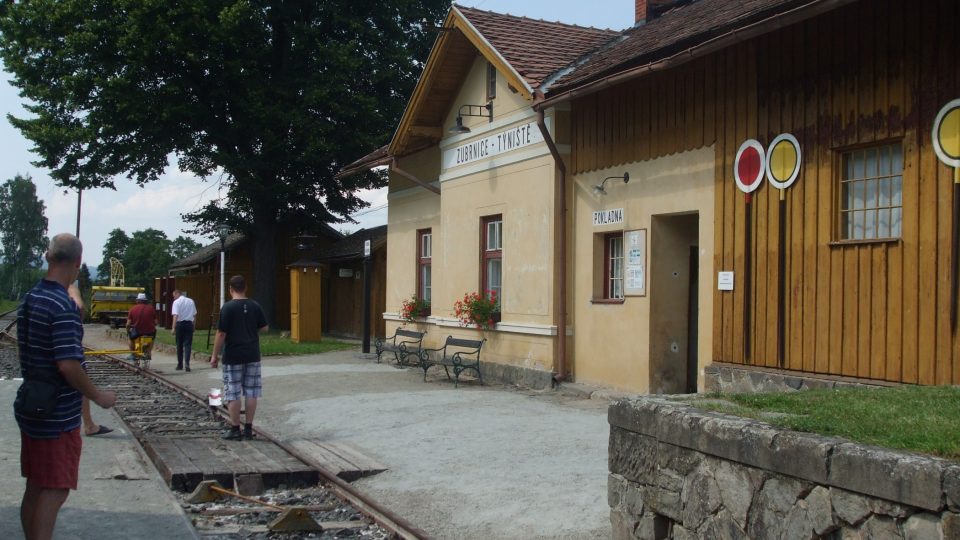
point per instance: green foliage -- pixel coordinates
(271, 343)
(475, 309)
(115, 246)
(182, 247)
(23, 229)
(145, 255)
(148, 256)
(271, 97)
(414, 307)
(7, 305)
(913, 418)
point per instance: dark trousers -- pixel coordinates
(184, 342)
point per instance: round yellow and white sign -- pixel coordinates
(946, 134)
(783, 161)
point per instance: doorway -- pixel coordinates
(674, 303)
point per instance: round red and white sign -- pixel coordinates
(749, 166)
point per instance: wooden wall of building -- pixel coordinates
(872, 72)
(343, 298)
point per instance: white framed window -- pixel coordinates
(613, 261)
(492, 256)
(871, 193)
(424, 263)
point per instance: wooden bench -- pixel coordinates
(403, 343)
(456, 353)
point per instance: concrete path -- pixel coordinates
(473, 463)
(105, 507)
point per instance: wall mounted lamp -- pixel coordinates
(598, 189)
(472, 110)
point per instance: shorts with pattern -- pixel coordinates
(241, 379)
(51, 463)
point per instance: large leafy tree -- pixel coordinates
(115, 247)
(182, 247)
(147, 257)
(271, 97)
(23, 229)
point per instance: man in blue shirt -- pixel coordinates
(49, 335)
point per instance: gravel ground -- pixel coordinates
(250, 525)
(9, 363)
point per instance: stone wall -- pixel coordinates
(734, 378)
(681, 472)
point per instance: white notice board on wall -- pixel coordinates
(635, 259)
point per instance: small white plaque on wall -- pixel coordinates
(725, 281)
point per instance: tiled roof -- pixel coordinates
(685, 26)
(535, 48)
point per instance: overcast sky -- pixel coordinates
(159, 204)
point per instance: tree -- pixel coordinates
(183, 247)
(271, 97)
(115, 246)
(23, 229)
(147, 257)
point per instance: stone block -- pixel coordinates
(849, 507)
(801, 455)
(652, 526)
(681, 460)
(682, 533)
(880, 527)
(700, 498)
(737, 488)
(820, 510)
(616, 485)
(887, 508)
(898, 477)
(248, 484)
(950, 525)
(951, 487)
(798, 525)
(639, 415)
(722, 527)
(817, 384)
(661, 501)
(793, 383)
(632, 455)
(622, 526)
(922, 527)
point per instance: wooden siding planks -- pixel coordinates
(866, 74)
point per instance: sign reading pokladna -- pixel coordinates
(608, 217)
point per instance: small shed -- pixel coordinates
(327, 289)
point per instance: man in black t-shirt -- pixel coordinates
(238, 341)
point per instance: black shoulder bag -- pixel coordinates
(37, 396)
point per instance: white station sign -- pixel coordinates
(518, 136)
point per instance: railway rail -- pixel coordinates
(155, 408)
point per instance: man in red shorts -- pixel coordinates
(49, 333)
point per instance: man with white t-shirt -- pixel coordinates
(184, 312)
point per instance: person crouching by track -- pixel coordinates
(238, 341)
(48, 404)
(141, 321)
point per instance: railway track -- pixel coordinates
(156, 409)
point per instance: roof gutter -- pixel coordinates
(738, 35)
(560, 369)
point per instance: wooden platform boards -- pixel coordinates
(184, 463)
(337, 457)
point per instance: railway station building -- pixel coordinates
(763, 186)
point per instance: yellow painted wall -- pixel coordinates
(612, 343)
(523, 192)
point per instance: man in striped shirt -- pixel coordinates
(49, 334)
